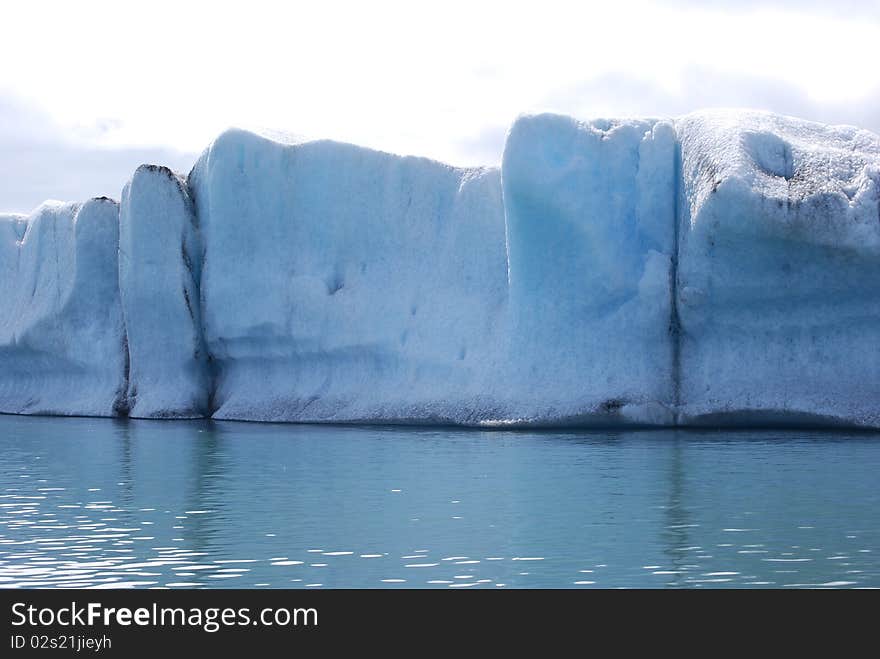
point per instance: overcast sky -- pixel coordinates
(89, 90)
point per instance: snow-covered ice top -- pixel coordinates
(827, 174)
(722, 268)
(778, 270)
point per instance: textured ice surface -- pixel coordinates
(62, 343)
(719, 268)
(159, 259)
(779, 270)
(341, 283)
(590, 220)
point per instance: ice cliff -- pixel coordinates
(721, 268)
(778, 271)
(160, 256)
(62, 340)
(590, 211)
(345, 284)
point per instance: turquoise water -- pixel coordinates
(105, 503)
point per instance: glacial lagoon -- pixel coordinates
(110, 503)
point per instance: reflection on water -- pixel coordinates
(112, 504)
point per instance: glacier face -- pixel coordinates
(590, 216)
(779, 271)
(719, 268)
(344, 284)
(159, 259)
(62, 342)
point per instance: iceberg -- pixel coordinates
(720, 268)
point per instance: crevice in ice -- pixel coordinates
(187, 262)
(213, 377)
(674, 318)
(123, 404)
(188, 303)
(193, 256)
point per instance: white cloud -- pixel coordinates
(39, 160)
(411, 78)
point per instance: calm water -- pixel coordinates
(96, 502)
